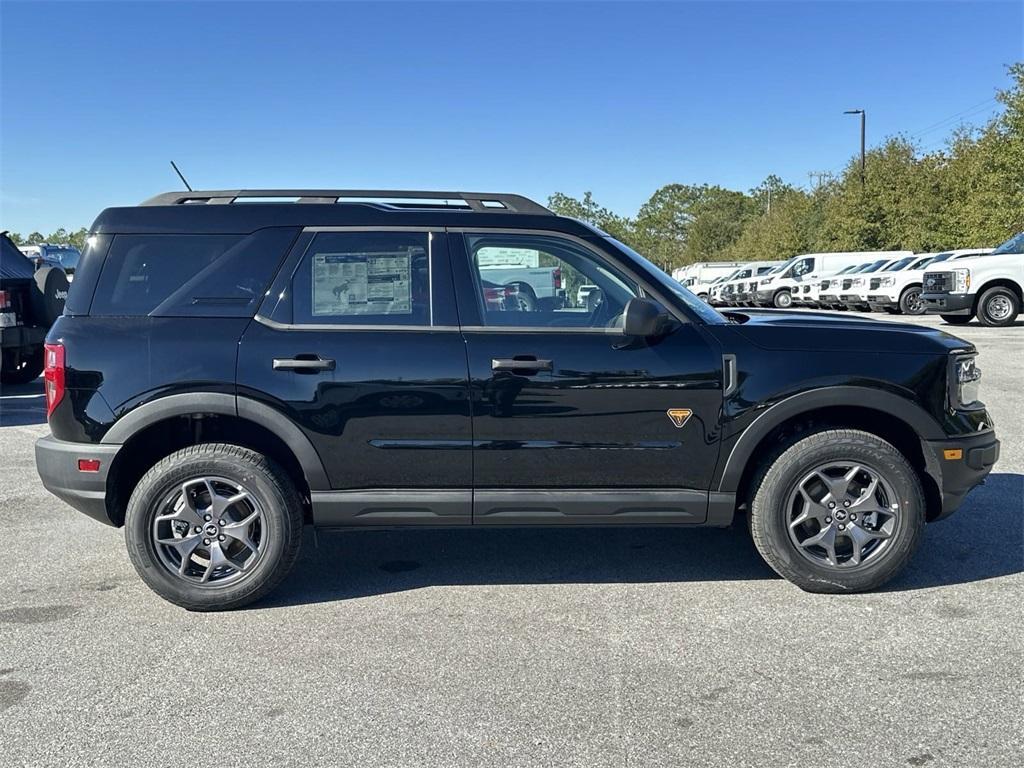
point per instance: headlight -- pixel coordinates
(857, 282)
(767, 280)
(888, 281)
(965, 381)
(961, 280)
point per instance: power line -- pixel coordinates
(959, 116)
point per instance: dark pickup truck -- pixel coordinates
(30, 301)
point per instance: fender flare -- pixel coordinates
(899, 408)
(184, 404)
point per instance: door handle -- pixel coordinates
(303, 363)
(520, 364)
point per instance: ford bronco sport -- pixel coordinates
(226, 372)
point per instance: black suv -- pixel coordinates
(231, 365)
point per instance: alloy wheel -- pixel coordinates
(842, 515)
(209, 531)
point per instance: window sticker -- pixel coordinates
(362, 283)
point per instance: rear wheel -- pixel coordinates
(998, 307)
(213, 527)
(838, 511)
(957, 319)
(20, 366)
(910, 301)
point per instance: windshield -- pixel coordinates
(875, 265)
(922, 263)
(705, 311)
(899, 264)
(1014, 245)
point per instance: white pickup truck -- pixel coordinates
(899, 291)
(991, 287)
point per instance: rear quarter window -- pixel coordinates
(189, 275)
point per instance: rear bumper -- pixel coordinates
(22, 336)
(948, 303)
(57, 464)
(959, 465)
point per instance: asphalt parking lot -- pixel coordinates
(525, 648)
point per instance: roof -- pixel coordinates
(244, 211)
(13, 264)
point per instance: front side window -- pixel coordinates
(364, 278)
(802, 267)
(545, 281)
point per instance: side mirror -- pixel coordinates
(644, 318)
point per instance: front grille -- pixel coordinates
(876, 282)
(824, 285)
(807, 289)
(847, 283)
(938, 282)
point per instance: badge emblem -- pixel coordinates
(679, 416)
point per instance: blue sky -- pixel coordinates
(617, 98)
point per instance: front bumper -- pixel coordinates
(958, 465)
(948, 303)
(881, 300)
(57, 464)
(853, 300)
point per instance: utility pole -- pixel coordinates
(863, 119)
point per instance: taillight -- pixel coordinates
(53, 376)
(5, 300)
(556, 277)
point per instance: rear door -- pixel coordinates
(573, 422)
(358, 344)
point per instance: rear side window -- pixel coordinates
(189, 275)
(364, 278)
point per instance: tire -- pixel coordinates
(910, 301)
(998, 307)
(48, 295)
(23, 368)
(777, 502)
(277, 538)
(782, 299)
(957, 319)
(526, 297)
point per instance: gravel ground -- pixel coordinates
(524, 648)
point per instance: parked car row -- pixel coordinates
(61, 255)
(984, 282)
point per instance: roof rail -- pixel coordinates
(488, 202)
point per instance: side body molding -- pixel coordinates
(899, 408)
(228, 405)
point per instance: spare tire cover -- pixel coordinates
(49, 295)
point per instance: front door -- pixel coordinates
(572, 421)
(358, 344)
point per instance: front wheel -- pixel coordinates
(910, 301)
(783, 299)
(838, 511)
(213, 527)
(998, 307)
(957, 319)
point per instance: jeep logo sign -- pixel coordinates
(62, 295)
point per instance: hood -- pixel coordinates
(825, 331)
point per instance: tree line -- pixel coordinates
(970, 193)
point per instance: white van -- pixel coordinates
(803, 271)
(726, 292)
(698, 278)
